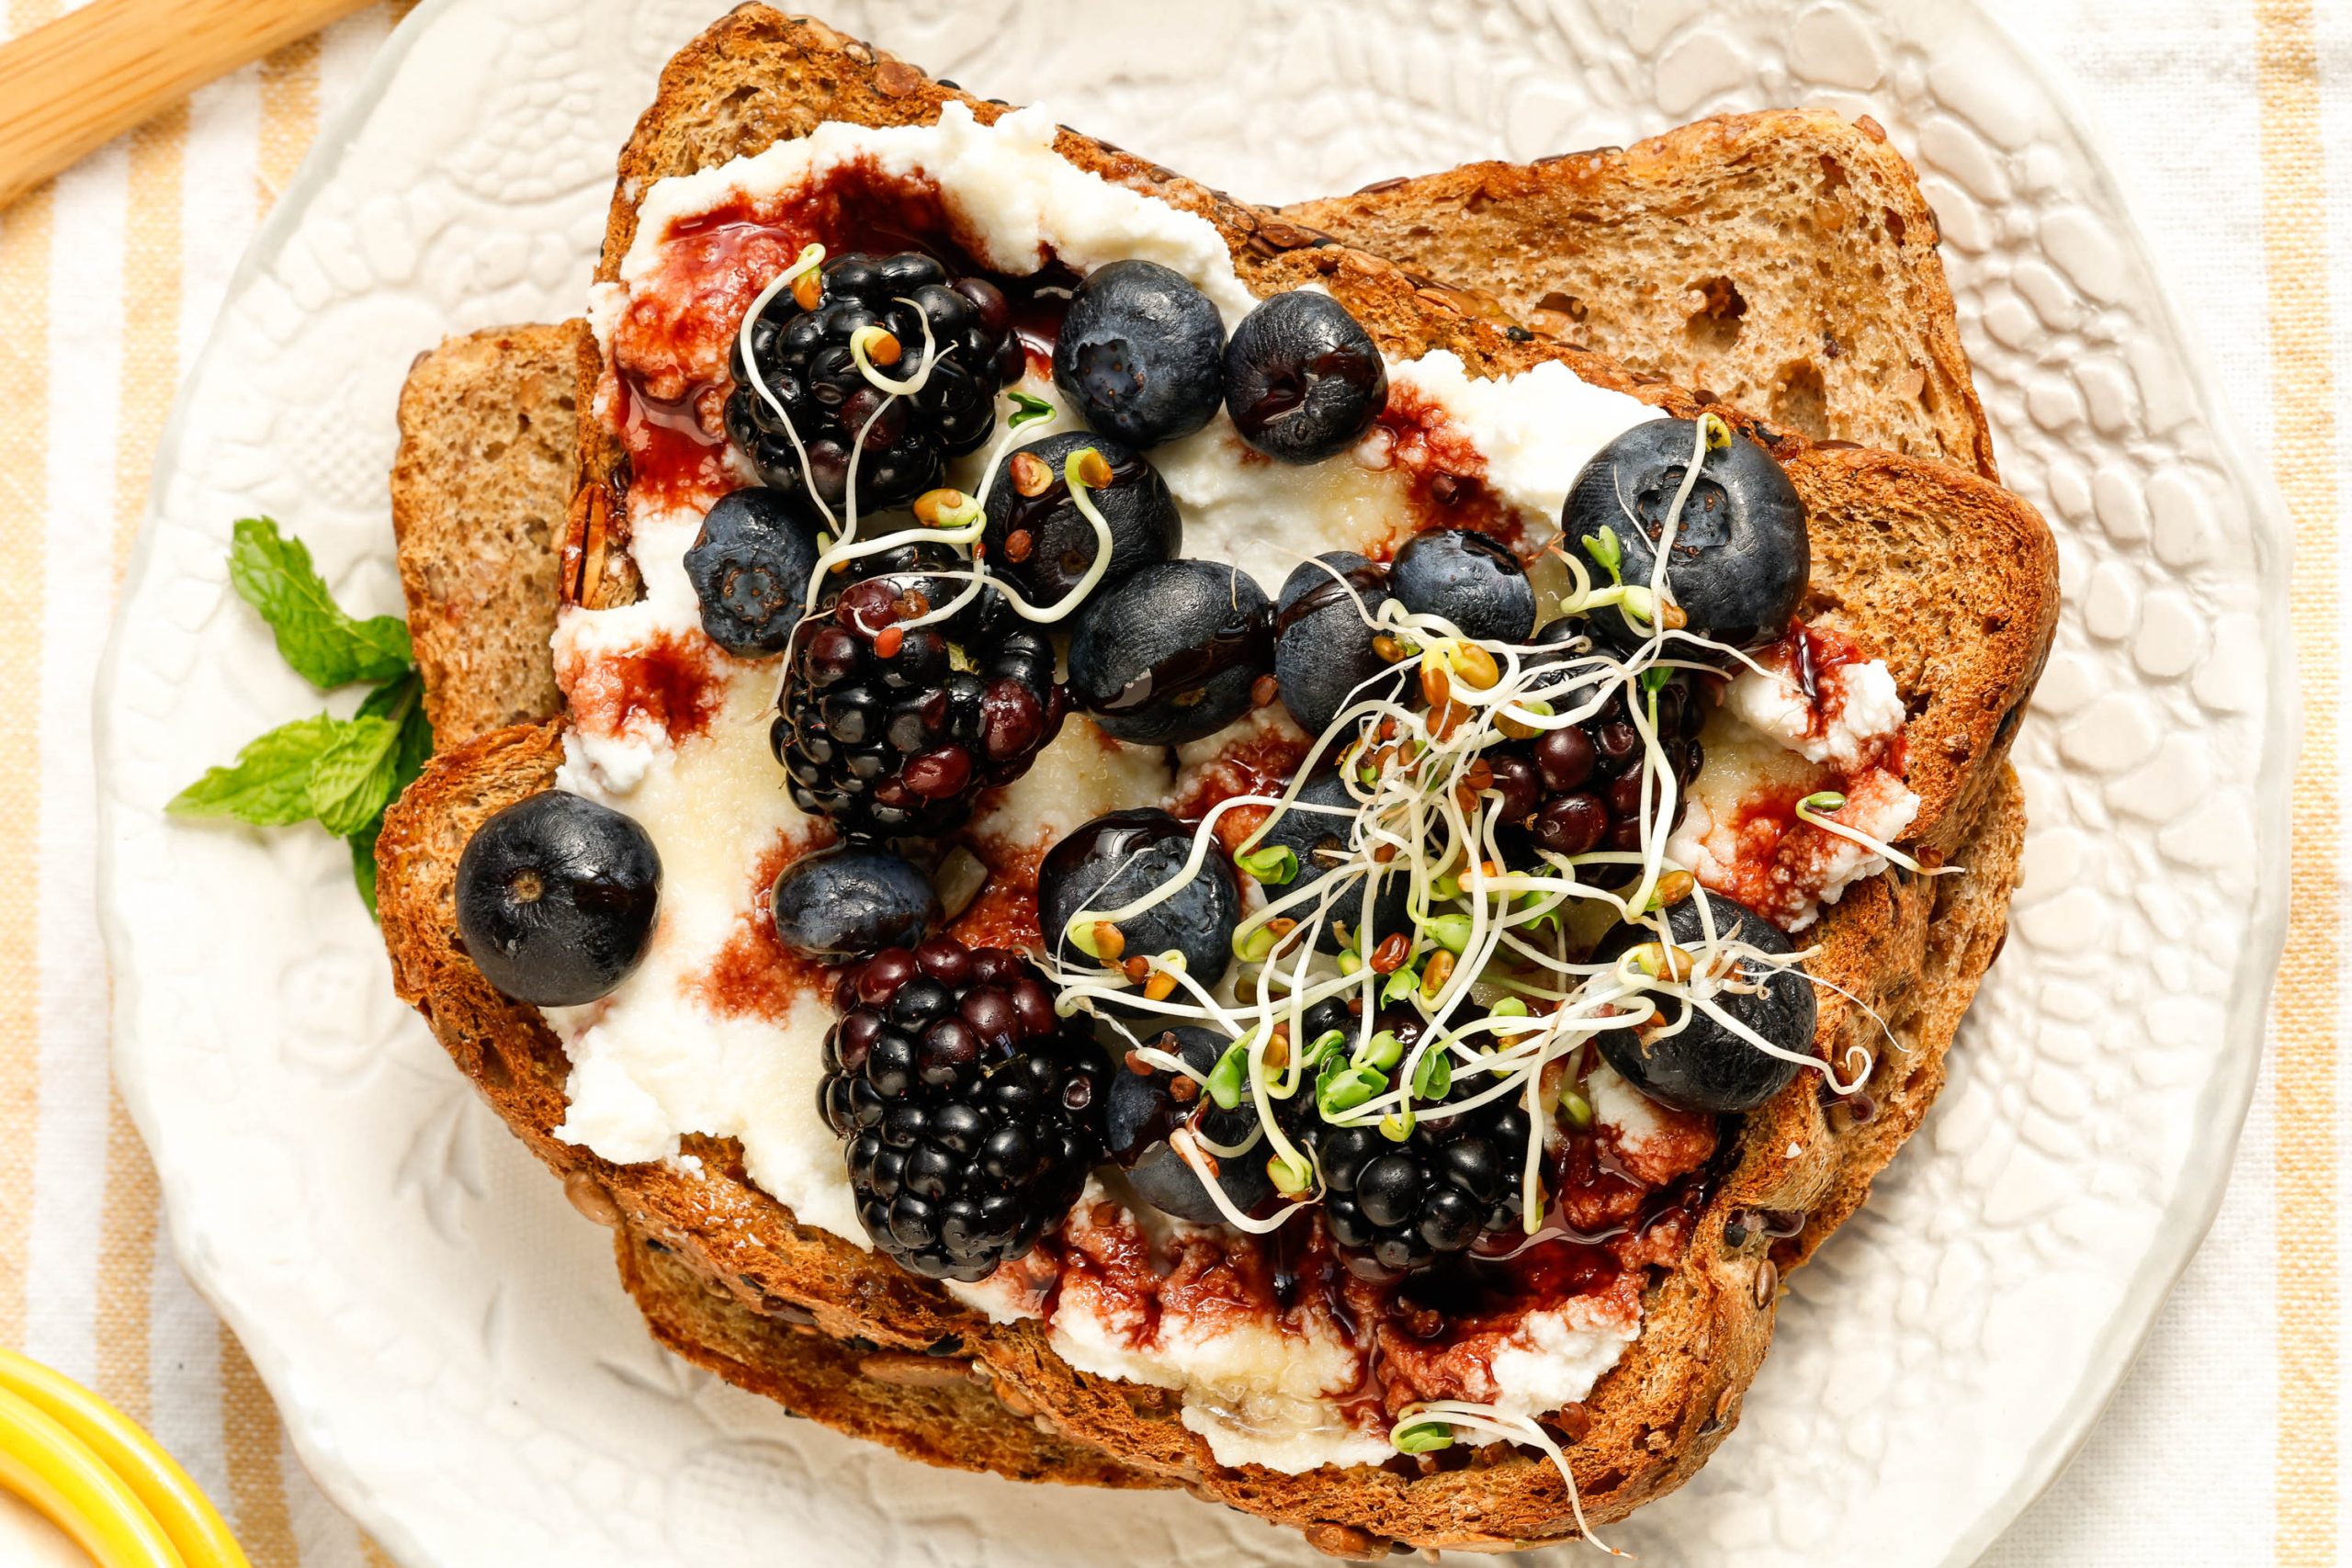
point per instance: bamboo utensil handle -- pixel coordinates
(77, 83)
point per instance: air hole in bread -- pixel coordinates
(1893, 225)
(1833, 175)
(1714, 326)
(1799, 400)
(1561, 304)
(495, 1072)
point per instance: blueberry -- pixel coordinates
(1469, 580)
(1139, 1112)
(1706, 1067)
(1740, 554)
(1140, 353)
(1323, 656)
(555, 899)
(1116, 859)
(750, 566)
(1172, 653)
(1313, 829)
(849, 899)
(1303, 378)
(1043, 545)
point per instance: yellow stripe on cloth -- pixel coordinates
(152, 271)
(26, 231)
(252, 1437)
(2295, 229)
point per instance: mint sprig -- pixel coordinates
(342, 773)
(326, 647)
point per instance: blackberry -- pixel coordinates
(1395, 1207)
(804, 358)
(1576, 790)
(893, 731)
(972, 1112)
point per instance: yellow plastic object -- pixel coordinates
(102, 1480)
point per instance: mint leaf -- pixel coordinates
(362, 862)
(269, 784)
(402, 702)
(352, 780)
(326, 647)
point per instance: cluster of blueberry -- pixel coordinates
(971, 1111)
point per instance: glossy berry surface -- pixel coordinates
(749, 569)
(1740, 554)
(555, 899)
(1469, 580)
(1324, 659)
(1143, 1105)
(1579, 788)
(1172, 653)
(1140, 355)
(815, 389)
(892, 730)
(1303, 379)
(972, 1112)
(1118, 858)
(1393, 1208)
(1039, 541)
(1705, 1067)
(1316, 827)
(850, 901)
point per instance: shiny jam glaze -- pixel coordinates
(673, 685)
(755, 976)
(1444, 473)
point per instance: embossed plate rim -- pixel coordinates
(312, 1429)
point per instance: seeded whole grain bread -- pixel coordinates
(1785, 259)
(488, 462)
(758, 75)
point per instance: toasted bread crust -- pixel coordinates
(928, 1408)
(1785, 259)
(1657, 1416)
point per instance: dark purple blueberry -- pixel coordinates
(848, 900)
(750, 568)
(1116, 859)
(1701, 1065)
(1740, 556)
(555, 899)
(1303, 379)
(1140, 353)
(1316, 827)
(1323, 655)
(1141, 1110)
(1469, 580)
(1039, 541)
(1172, 653)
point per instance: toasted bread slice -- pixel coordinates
(466, 400)
(1786, 260)
(928, 1408)
(487, 465)
(757, 75)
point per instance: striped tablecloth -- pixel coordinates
(2230, 122)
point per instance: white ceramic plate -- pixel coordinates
(451, 1352)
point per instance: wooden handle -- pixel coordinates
(76, 83)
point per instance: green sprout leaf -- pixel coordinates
(1230, 1078)
(1270, 864)
(1606, 553)
(1422, 1437)
(1027, 410)
(1434, 1076)
(326, 646)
